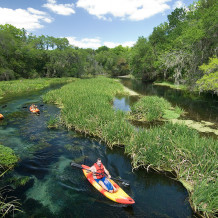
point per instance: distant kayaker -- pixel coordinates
(33, 107)
(99, 174)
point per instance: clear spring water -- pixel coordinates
(57, 190)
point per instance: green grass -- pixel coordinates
(7, 157)
(7, 161)
(53, 122)
(151, 108)
(86, 105)
(177, 148)
(27, 85)
(171, 85)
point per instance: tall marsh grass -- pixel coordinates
(181, 150)
(151, 108)
(7, 161)
(86, 105)
(23, 85)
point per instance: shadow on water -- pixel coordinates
(199, 107)
(57, 190)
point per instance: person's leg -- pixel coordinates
(109, 186)
(102, 185)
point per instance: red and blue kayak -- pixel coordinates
(119, 196)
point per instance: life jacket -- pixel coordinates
(99, 170)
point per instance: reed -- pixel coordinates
(179, 149)
(151, 108)
(53, 122)
(87, 107)
(7, 161)
(19, 86)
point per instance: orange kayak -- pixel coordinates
(119, 196)
(1, 117)
(34, 110)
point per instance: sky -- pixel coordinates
(89, 23)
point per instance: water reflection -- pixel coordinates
(199, 107)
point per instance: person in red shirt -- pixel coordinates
(99, 174)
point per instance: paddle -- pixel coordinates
(41, 105)
(124, 182)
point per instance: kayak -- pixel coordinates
(119, 196)
(1, 117)
(36, 110)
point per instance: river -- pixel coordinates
(55, 189)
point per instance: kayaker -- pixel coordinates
(99, 174)
(33, 107)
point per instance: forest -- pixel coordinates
(182, 50)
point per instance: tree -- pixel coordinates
(209, 82)
(143, 60)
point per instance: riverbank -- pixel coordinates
(171, 85)
(87, 107)
(8, 160)
(27, 85)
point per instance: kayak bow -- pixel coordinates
(1, 117)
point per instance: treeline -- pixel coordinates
(174, 52)
(28, 56)
(176, 49)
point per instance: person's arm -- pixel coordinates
(107, 172)
(92, 169)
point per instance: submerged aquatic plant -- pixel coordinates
(53, 122)
(7, 157)
(8, 205)
(19, 181)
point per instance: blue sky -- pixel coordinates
(89, 23)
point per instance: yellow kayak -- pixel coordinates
(119, 196)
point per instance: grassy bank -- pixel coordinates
(151, 108)
(7, 161)
(86, 105)
(171, 85)
(27, 85)
(181, 150)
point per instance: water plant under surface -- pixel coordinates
(86, 106)
(7, 157)
(53, 122)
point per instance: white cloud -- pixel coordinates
(124, 44)
(85, 43)
(62, 9)
(29, 19)
(124, 9)
(95, 43)
(178, 4)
